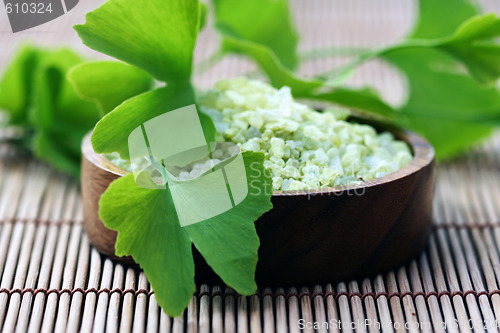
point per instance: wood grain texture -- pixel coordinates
(316, 236)
(95, 179)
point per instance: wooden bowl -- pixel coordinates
(315, 237)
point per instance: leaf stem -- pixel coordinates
(369, 55)
(331, 51)
(313, 54)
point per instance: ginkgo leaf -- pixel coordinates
(109, 83)
(436, 20)
(229, 242)
(112, 132)
(473, 44)
(16, 85)
(451, 109)
(477, 28)
(263, 31)
(149, 230)
(158, 37)
(359, 99)
(268, 61)
(60, 118)
(36, 95)
(263, 22)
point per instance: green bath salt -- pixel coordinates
(303, 148)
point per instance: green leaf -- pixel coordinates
(16, 86)
(361, 99)
(270, 41)
(264, 22)
(149, 231)
(203, 15)
(434, 22)
(448, 107)
(473, 45)
(112, 131)
(109, 83)
(477, 28)
(37, 96)
(441, 18)
(482, 61)
(48, 147)
(157, 36)
(270, 64)
(58, 116)
(229, 241)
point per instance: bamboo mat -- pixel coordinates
(52, 279)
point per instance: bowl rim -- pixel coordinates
(423, 155)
